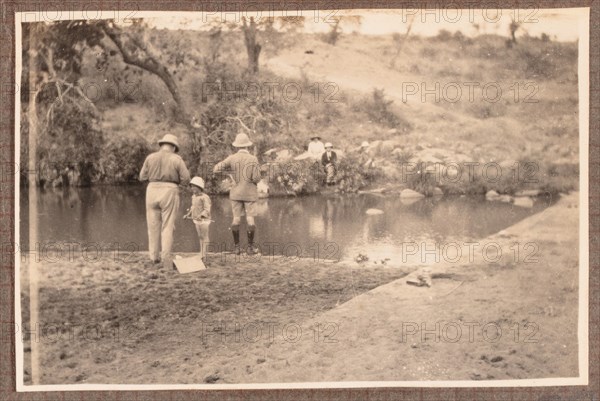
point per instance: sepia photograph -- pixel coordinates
(292, 198)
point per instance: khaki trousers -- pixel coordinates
(162, 206)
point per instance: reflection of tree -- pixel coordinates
(87, 225)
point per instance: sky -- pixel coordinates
(559, 24)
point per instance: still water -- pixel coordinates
(329, 226)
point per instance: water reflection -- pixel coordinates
(116, 215)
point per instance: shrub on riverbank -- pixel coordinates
(543, 176)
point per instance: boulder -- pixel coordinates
(505, 198)
(397, 151)
(523, 201)
(409, 193)
(374, 147)
(437, 191)
(387, 147)
(373, 212)
(430, 159)
(492, 195)
(392, 131)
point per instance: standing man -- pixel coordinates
(245, 173)
(165, 170)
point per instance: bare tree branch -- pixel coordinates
(145, 61)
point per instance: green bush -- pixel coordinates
(422, 181)
(71, 139)
(122, 160)
(379, 110)
(293, 178)
(351, 176)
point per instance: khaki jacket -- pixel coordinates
(245, 171)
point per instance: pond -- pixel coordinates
(323, 226)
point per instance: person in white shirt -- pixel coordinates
(316, 147)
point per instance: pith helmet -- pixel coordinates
(170, 139)
(242, 141)
(197, 181)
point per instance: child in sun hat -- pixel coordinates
(200, 213)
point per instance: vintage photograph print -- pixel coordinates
(311, 198)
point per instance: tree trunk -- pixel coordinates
(147, 62)
(33, 174)
(252, 48)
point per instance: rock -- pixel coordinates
(397, 151)
(528, 192)
(505, 198)
(430, 159)
(392, 131)
(492, 195)
(374, 147)
(373, 212)
(386, 147)
(409, 193)
(523, 201)
(212, 378)
(437, 191)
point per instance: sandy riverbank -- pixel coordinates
(275, 321)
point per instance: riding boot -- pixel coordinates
(235, 230)
(252, 249)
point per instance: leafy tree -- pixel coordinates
(136, 50)
(336, 29)
(251, 28)
(62, 120)
(61, 117)
(252, 47)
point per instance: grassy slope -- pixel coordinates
(513, 130)
(543, 131)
